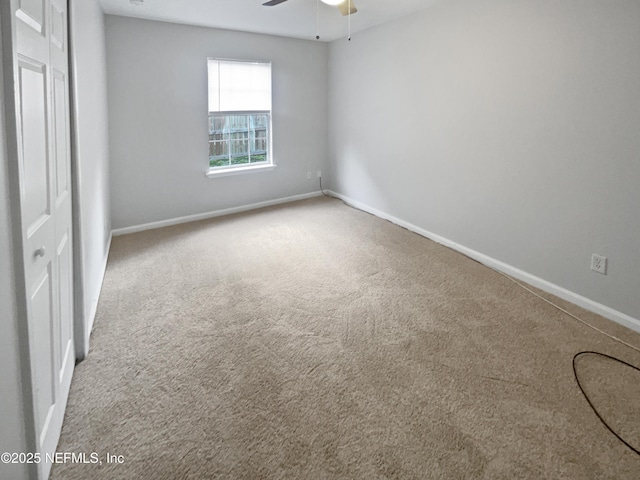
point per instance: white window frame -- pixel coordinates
(226, 170)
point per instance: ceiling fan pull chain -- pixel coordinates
(349, 38)
(317, 19)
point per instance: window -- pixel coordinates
(239, 116)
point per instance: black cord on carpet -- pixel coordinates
(575, 374)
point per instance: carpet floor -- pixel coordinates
(315, 341)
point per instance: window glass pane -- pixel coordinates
(242, 159)
(259, 142)
(217, 149)
(237, 122)
(218, 154)
(239, 147)
(260, 121)
(220, 162)
(238, 139)
(218, 122)
(239, 135)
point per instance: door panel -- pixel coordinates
(57, 27)
(65, 283)
(42, 350)
(60, 135)
(31, 12)
(35, 147)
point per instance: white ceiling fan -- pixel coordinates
(343, 5)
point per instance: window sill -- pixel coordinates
(211, 173)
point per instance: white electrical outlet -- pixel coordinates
(599, 264)
(308, 175)
(319, 173)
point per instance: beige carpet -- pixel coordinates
(314, 341)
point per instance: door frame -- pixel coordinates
(81, 337)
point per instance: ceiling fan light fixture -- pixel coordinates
(332, 2)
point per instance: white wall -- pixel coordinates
(91, 163)
(510, 127)
(157, 78)
(12, 406)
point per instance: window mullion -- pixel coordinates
(249, 138)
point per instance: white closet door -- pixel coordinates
(42, 104)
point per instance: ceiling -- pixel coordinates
(294, 18)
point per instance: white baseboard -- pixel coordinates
(584, 302)
(93, 309)
(215, 213)
(94, 303)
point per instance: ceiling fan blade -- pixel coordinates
(344, 8)
(273, 3)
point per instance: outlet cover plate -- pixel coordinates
(599, 264)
